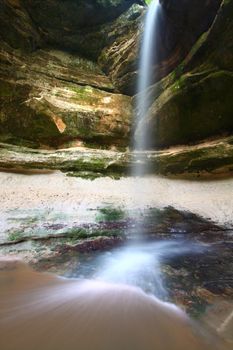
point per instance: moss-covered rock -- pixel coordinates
(207, 159)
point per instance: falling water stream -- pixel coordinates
(138, 263)
(118, 307)
(145, 79)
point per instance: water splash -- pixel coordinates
(138, 264)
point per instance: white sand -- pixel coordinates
(211, 199)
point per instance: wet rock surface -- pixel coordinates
(26, 225)
(198, 282)
(194, 280)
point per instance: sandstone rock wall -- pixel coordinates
(69, 67)
(50, 97)
(52, 91)
(195, 101)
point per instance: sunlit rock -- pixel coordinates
(51, 96)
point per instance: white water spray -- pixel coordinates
(139, 265)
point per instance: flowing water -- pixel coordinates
(40, 311)
(148, 52)
(139, 264)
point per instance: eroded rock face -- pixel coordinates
(71, 25)
(119, 58)
(179, 26)
(50, 96)
(195, 101)
(16, 26)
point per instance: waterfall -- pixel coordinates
(139, 263)
(148, 54)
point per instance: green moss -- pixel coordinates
(88, 175)
(110, 214)
(91, 175)
(178, 71)
(76, 234)
(197, 45)
(82, 90)
(179, 84)
(15, 236)
(87, 95)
